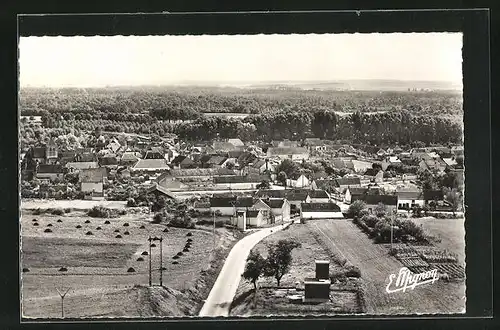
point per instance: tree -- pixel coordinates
(279, 258)
(453, 197)
(264, 185)
(380, 210)
(291, 168)
(230, 165)
(282, 177)
(355, 208)
(254, 268)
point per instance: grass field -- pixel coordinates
(376, 266)
(97, 266)
(451, 232)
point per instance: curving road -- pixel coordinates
(222, 293)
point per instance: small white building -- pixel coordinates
(280, 209)
(311, 211)
(255, 218)
(407, 199)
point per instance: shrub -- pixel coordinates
(140, 259)
(118, 236)
(142, 227)
(131, 202)
(355, 208)
(380, 210)
(165, 230)
(179, 253)
(107, 222)
(126, 224)
(352, 271)
(89, 233)
(35, 224)
(98, 228)
(104, 212)
(34, 219)
(59, 220)
(131, 270)
(63, 269)
(189, 234)
(57, 211)
(185, 249)
(145, 253)
(370, 220)
(182, 222)
(49, 225)
(117, 230)
(158, 218)
(175, 257)
(153, 245)
(78, 227)
(175, 262)
(87, 221)
(25, 270)
(67, 210)
(48, 230)
(37, 211)
(189, 240)
(126, 233)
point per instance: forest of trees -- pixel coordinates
(400, 117)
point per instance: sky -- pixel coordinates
(161, 60)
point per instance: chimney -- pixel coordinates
(322, 269)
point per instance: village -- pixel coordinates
(227, 176)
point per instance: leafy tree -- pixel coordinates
(291, 168)
(254, 268)
(355, 208)
(282, 177)
(380, 210)
(454, 198)
(279, 258)
(264, 185)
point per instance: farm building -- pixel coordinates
(49, 172)
(319, 196)
(239, 181)
(343, 183)
(296, 153)
(77, 166)
(260, 205)
(354, 192)
(311, 211)
(202, 174)
(212, 161)
(92, 181)
(129, 158)
(150, 166)
(280, 209)
(433, 164)
(158, 190)
(182, 162)
(374, 175)
(408, 198)
(433, 196)
(372, 201)
(228, 206)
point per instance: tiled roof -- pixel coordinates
(433, 195)
(275, 203)
(231, 201)
(357, 190)
(287, 151)
(414, 195)
(47, 168)
(318, 193)
(347, 181)
(375, 199)
(240, 179)
(39, 152)
(252, 213)
(319, 207)
(93, 175)
(202, 172)
(162, 190)
(82, 165)
(151, 164)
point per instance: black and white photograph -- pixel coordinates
(172, 176)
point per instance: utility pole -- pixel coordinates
(161, 261)
(150, 239)
(62, 295)
(213, 248)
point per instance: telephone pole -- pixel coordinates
(62, 295)
(214, 232)
(149, 239)
(161, 261)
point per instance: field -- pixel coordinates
(376, 265)
(324, 239)
(97, 266)
(344, 296)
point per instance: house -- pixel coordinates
(284, 144)
(311, 211)
(182, 162)
(77, 166)
(354, 192)
(66, 156)
(301, 182)
(85, 156)
(450, 162)
(224, 146)
(261, 166)
(344, 183)
(246, 158)
(295, 154)
(374, 175)
(49, 172)
(296, 197)
(158, 190)
(315, 144)
(433, 196)
(239, 181)
(372, 201)
(255, 218)
(92, 181)
(213, 161)
(360, 165)
(280, 209)
(319, 196)
(154, 153)
(129, 158)
(229, 162)
(381, 152)
(228, 206)
(457, 151)
(47, 154)
(150, 165)
(236, 142)
(201, 174)
(260, 205)
(108, 159)
(113, 146)
(409, 198)
(390, 161)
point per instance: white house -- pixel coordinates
(280, 209)
(263, 207)
(393, 160)
(311, 211)
(301, 182)
(92, 181)
(255, 218)
(354, 191)
(407, 199)
(228, 206)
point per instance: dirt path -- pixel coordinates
(376, 266)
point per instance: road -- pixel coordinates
(222, 294)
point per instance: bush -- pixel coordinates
(100, 212)
(89, 233)
(49, 225)
(126, 233)
(126, 224)
(140, 259)
(67, 210)
(131, 270)
(175, 262)
(63, 269)
(118, 236)
(87, 221)
(59, 220)
(25, 270)
(35, 224)
(78, 227)
(48, 230)
(175, 257)
(57, 211)
(153, 245)
(352, 271)
(98, 228)
(370, 220)
(158, 218)
(145, 253)
(182, 222)
(185, 249)
(131, 202)
(355, 208)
